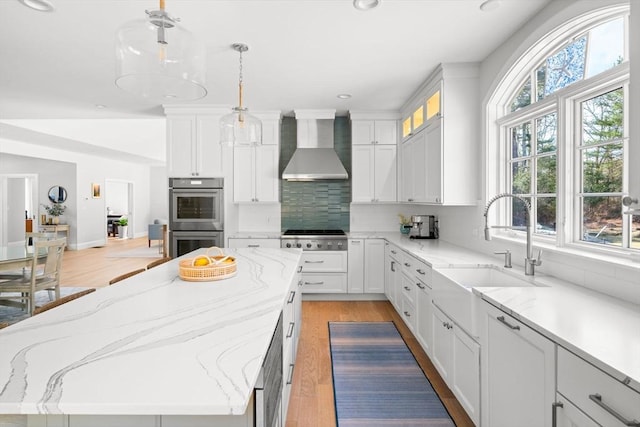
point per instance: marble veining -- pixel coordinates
(150, 345)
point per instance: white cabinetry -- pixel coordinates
(517, 371)
(595, 395)
(366, 266)
(392, 274)
(291, 319)
(424, 325)
(324, 272)
(193, 148)
(448, 150)
(255, 168)
(457, 357)
(374, 158)
(253, 242)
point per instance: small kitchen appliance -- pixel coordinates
(424, 227)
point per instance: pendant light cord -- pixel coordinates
(240, 81)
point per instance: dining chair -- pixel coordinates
(158, 262)
(29, 239)
(22, 291)
(63, 300)
(126, 275)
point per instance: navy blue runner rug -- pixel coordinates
(377, 380)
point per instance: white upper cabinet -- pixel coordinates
(447, 109)
(255, 169)
(193, 148)
(374, 158)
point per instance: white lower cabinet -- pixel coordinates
(392, 274)
(324, 272)
(366, 266)
(568, 415)
(595, 394)
(517, 372)
(241, 242)
(424, 323)
(457, 358)
(291, 319)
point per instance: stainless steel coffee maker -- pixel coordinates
(424, 227)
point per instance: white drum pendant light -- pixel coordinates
(159, 60)
(240, 127)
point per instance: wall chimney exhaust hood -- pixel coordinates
(314, 158)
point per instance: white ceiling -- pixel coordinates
(302, 53)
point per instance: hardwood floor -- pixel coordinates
(312, 403)
(94, 267)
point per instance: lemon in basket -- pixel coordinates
(201, 261)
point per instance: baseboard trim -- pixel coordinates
(344, 297)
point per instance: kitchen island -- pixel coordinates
(150, 350)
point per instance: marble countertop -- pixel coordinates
(599, 328)
(150, 345)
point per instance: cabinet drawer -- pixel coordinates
(409, 288)
(408, 313)
(599, 395)
(334, 283)
(253, 243)
(318, 261)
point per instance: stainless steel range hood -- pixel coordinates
(314, 158)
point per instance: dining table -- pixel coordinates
(18, 256)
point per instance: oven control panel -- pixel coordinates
(314, 244)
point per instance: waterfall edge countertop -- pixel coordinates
(150, 345)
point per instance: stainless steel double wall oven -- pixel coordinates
(196, 208)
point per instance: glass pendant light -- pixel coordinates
(159, 60)
(240, 127)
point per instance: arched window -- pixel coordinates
(561, 134)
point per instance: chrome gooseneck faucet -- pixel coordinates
(530, 262)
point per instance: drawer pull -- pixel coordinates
(292, 296)
(407, 288)
(406, 313)
(419, 270)
(290, 331)
(554, 414)
(393, 268)
(393, 252)
(253, 246)
(290, 376)
(420, 285)
(406, 264)
(514, 327)
(598, 400)
(314, 283)
(314, 262)
(299, 269)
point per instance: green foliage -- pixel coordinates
(123, 221)
(55, 209)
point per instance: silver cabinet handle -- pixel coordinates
(554, 415)
(514, 327)
(253, 246)
(407, 288)
(290, 331)
(299, 283)
(292, 296)
(290, 376)
(314, 262)
(393, 263)
(314, 283)
(299, 269)
(406, 264)
(421, 271)
(406, 313)
(420, 285)
(393, 252)
(597, 398)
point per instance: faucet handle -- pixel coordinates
(537, 261)
(507, 257)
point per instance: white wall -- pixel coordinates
(463, 226)
(86, 214)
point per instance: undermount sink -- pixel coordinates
(452, 290)
(483, 276)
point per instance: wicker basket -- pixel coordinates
(207, 273)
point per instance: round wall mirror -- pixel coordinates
(57, 194)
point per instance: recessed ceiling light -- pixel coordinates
(40, 5)
(101, 106)
(366, 4)
(489, 5)
(344, 96)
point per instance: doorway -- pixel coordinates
(119, 202)
(18, 203)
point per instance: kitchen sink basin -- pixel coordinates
(452, 290)
(485, 275)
